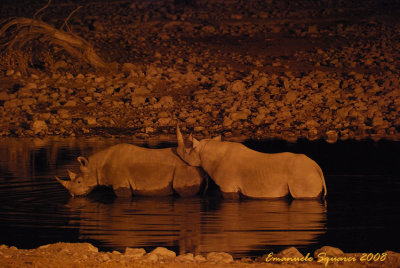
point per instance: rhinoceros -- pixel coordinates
(238, 170)
(131, 169)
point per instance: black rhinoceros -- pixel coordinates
(237, 169)
(131, 169)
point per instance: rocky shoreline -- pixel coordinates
(86, 255)
(260, 72)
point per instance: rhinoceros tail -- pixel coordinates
(323, 181)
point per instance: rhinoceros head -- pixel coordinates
(191, 154)
(82, 183)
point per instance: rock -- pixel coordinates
(208, 29)
(150, 257)
(64, 114)
(70, 247)
(165, 121)
(258, 120)
(28, 101)
(313, 29)
(200, 258)
(190, 121)
(163, 253)
(331, 136)
(29, 86)
(166, 101)
(220, 257)
(138, 101)
(198, 129)
(185, 258)
(70, 103)
(291, 252)
(4, 96)
(163, 114)
(312, 134)
(328, 251)
(236, 17)
(90, 120)
(60, 64)
(291, 96)
(149, 129)
(342, 113)
(11, 104)
(392, 259)
(235, 116)
(237, 86)
(10, 72)
(100, 79)
(227, 122)
(141, 91)
(44, 116)
(378, 121)
(135, 253)
(310, 124)
(39, 127)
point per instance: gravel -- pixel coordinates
(254, 71)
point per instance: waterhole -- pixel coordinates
(360, 213)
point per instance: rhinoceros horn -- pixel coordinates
(63, 182)
(181, 141)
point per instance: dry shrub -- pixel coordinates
(28, 42)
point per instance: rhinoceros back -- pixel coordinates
(144, 171)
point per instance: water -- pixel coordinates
(360, 214)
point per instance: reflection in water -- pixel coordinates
(200, 225)
(23, 157)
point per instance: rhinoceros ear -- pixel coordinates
(217, 138)
(71, 175)
(84, 163)
(195, 142)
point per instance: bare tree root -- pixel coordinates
(24, 31)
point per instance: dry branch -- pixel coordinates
(27, 30)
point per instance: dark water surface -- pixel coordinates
(360, 214)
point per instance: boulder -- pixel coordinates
(220, 257)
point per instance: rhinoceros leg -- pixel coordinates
(123, 192)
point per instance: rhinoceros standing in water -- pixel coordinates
(237, 169)
(130, 169)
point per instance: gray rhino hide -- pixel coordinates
(237, 169)
(136, 170)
